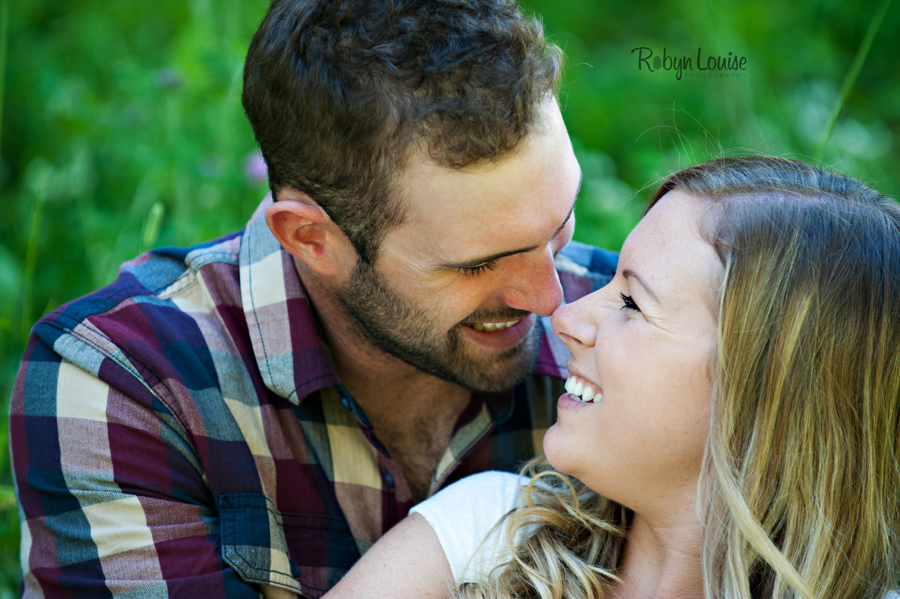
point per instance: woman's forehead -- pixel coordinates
(669, 251)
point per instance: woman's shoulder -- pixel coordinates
(483, 497)
(490, 482)
(465, 512)
(488, 479)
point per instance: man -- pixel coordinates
(252, 413)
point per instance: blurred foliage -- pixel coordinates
(122, 128)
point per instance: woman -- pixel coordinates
(731, 423)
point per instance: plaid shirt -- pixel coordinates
(180, 433)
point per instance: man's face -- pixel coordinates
(456, 287)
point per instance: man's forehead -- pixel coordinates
(432, 191)
(456, 215)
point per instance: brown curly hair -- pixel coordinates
(340, 92)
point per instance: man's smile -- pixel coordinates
(492, 326)
(499, 335)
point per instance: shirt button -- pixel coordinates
(295, 569)
(389, 479)
(346, 403)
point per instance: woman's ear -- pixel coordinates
(306, 231)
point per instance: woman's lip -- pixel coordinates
(573, 370)
(565, 402)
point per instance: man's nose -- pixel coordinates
(534, 285)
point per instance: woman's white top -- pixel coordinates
(464, 513)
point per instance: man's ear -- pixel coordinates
(305, 230)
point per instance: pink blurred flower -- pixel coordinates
(255, 167)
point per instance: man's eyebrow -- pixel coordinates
(485, 259)
(630, 274)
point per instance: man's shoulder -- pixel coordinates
(155, 301)
(584, 268)
(160, 274)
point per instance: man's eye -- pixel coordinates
(628, 302)
(477, 270)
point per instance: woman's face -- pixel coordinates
(649, 356)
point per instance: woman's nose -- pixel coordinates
(575, 323)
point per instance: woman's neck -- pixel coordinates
(661, 560)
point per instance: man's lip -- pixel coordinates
(491, 324)
(498, 319)
(503, 338)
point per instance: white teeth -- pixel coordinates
(492, 326)
(582, 392)
(579, 387)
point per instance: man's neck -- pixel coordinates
(413, 413)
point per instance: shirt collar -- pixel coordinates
(287, 348)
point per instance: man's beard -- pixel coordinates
(407, 331)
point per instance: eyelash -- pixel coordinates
(473, 271)
(629, 302)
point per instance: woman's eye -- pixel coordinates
(477, 270)
(628, 302)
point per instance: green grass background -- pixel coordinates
(121, 127)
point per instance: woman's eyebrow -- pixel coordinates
(630, 274)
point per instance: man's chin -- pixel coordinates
(494, 371)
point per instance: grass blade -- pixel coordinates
(152, 225)
(852, 74)
(4, 39)
(30, 263)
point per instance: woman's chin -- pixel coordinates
(554, 449)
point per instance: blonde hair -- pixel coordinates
(801, 482)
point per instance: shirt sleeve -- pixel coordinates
(463, 515)
(113, 499)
